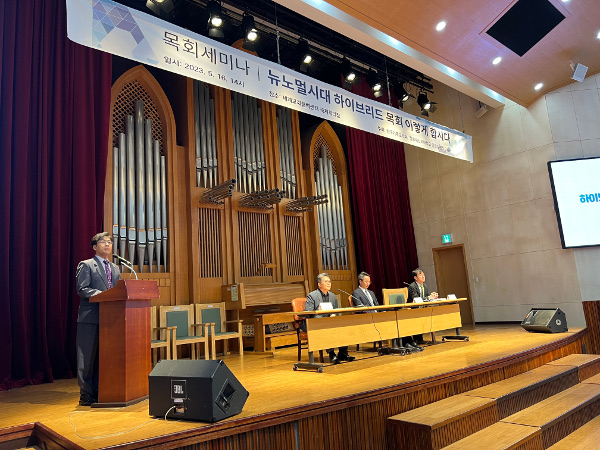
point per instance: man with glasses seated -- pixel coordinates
(93, 276)
(313, 302)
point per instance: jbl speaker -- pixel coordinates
(545, 320)
(206, 391)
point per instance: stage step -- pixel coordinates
(587, 365)
(441, 423)
(556, 417)
(521, 391)
(585, 437)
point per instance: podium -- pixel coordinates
(125, 332)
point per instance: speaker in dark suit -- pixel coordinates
(545, 320)
(195, 390)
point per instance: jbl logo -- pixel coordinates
(178, 389)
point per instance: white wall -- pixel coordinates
(501, 206)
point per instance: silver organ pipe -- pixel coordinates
(122, 198)
(158, 200)
(332, 227)
(149, 154)
(205, 136)
(163, 192)
(249, 154)
(115, 227)
(131, 227)
(286, 151)
(140, 183)
(139, 193)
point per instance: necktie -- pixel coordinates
(423, 291)
(108, 273)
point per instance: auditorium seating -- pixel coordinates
(533, 410)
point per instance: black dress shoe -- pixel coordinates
(345, 357)
(421, 342)
(417, 347)
(86, 401)
(333, 359)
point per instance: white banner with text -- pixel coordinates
(111, 27)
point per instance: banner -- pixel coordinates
(116, 29)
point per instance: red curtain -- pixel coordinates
(54, 118)
(382, 219)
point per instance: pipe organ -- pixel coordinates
(332, 227)
(287, 171)
(280, 219)
(205, 136)
(140, 230)
(248, 145)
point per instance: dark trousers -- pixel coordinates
(87, 360)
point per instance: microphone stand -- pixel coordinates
(127, 264)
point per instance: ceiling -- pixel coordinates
(461, 55)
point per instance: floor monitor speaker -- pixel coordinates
(200, 390)
(545, 320)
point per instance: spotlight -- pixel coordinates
(304, 53)
(215, 19)
(349, 74)
(374, 83)
(249, 28)
(162, 8)
(425, 104)
(402, 95)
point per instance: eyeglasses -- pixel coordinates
(104, 241)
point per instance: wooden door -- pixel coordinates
(452, 277)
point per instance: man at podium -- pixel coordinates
(93, 276)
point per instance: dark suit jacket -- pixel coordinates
(415, 291)
(91, 280)
(360, 298)
(315, 298)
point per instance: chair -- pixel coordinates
(159, 333)
(394, 296)
(187, 332)
(299, 304)
(213, 315)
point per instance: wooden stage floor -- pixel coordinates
(274, 387)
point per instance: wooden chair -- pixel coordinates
(161, 337)
(299, 304)
(213, 315)
(187, 332)
(394, 296)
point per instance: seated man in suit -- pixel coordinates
(313, 302)
(418, 289)
(93, 276)
(362, 296)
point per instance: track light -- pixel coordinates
(249, 28)
(162, 8)
(304, 54)
(215, 19)
(374, 83)
(425, 104)
(348, 73)
(402, 95)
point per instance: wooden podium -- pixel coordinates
(125, 333)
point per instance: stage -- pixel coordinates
(300, 409)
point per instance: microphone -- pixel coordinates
(347, 293)
(408, 284)
(126, 263)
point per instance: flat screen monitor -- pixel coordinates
(576, 190)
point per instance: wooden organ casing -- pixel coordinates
(212, 246)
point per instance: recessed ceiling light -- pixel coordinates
(497, 60)
(565, 1)
(598, 35)
(539, 86)
(440, 26)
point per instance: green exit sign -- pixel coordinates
(446, 239)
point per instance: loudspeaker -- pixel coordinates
(579, 71)
(545, 320)
(195, 390)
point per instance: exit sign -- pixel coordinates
(446, 239)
